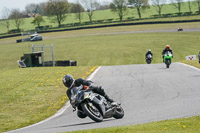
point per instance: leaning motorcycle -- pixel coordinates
(168, 58)
(94, 105)
(149, 59)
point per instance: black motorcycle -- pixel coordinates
(94, 105)
(149, 58)
(180, 29)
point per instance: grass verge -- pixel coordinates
(183, 125)
(194, 63)
(32, 94)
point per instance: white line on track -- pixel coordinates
(62, 110)
(189, 66)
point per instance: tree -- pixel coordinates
(18, 18)
(31, 8)
(91, 6)
(43, 6)
(5, 18)
(104, 7)
(139, 5)
(198, 3)
(57, 10)
(177, 4)
(78, 10)
(119, 7)
(38, 19)
(158, 4)
(189, 6)
(36, 8)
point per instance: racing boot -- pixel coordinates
(108, 98)
(113, 103)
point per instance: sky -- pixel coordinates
(20, 4)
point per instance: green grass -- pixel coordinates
(108, 49)
(107, 14)
(32, 94)
(194, 63)
(125, 48)
(183, 125)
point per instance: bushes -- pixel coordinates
(14, 31)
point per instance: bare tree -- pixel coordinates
(78, 10)
(43, 6)
(5, 18)
(158, 4)
(139, 5)
(119, 7)
(31, 8)
(189, 6)
(18, 17)
(177, 4)
(91, 6)
(57, 10)
(104, 7)
(36, 8)
(198, 3)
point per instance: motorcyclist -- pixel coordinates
(199, 57)
(70, 82)
(167, 48)
(149, 52)
(179, 29)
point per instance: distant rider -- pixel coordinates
(199, 57)
(167, 48)
(70, 83)
(149, 52)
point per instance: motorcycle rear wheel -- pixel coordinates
(92, 111)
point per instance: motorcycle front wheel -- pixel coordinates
(148, 61)
(168, 62)
(119, 113)
(92, 111)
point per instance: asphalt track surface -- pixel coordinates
(148, 92)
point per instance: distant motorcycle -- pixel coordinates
(149, 59)
(94, 105)
(180, 29)
(168, 58)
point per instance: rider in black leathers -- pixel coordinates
(69, 82)
(149, 52)
(167, 48)
(199, 57)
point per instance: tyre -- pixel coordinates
(81, 115)
(119, 113)
(92, 111)
(148, 61)
(167, 66)
(168, 62)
